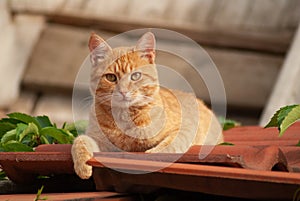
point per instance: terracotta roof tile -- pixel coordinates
(255, 136)
(259, 165)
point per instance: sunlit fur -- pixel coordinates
(139, 115)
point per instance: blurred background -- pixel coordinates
(44, 42)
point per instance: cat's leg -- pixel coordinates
(82, 150)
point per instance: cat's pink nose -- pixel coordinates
(124, 94)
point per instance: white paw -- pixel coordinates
(82, 151)
(153, 150)
(83, 170)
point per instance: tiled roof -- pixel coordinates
(259, 165)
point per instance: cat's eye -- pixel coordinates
(111, 77)
(136, 76)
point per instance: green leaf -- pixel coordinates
(1, 148)
(7, 124)
(58, 134)
(14, 146)
(5, 127)
(44, 140)
(44, 121)
(30, 140)
(288, 118)
(3, 175)
(228, 123)
(10, 120)
(64, 125)
(226, 143)
(284, 117)
(274, 120)
(19, 130)
(39, 194)
(24, 118)
(71, 135)
(30, 129)
(77, 128)
(10, 135)
(283, 113)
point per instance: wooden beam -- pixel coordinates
(57, 107)
(262, 41)
(25, 103)
(237, 24)
(248, 76)
(56, 59)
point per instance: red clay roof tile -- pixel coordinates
(260, 161)
(259, 165)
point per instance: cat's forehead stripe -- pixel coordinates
(123, 64)
(117, 66)
(128, 67)
(126, 62)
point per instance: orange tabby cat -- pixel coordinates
(131, 112)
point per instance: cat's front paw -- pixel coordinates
(82, 151)
(83, 170)
(153, 150)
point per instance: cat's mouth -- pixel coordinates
(128, 100)
(122, 99)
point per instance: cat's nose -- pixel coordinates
(124, 94)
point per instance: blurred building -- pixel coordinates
(44, 43)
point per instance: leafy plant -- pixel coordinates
(226, 143)
(22, 132)
(39, 193)
(228, 123)
(296, 196)
(2, 175)
(284, 118)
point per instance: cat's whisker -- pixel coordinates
(102, 98)
(85, 102)
(88, 98)
(103, 95)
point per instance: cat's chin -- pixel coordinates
(126, 103)
(123, 104)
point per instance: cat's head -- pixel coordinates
(124, 76)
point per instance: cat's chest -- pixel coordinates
(141, 124)
(133, 131)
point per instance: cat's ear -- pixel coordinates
(146, 45)
(99, 49)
